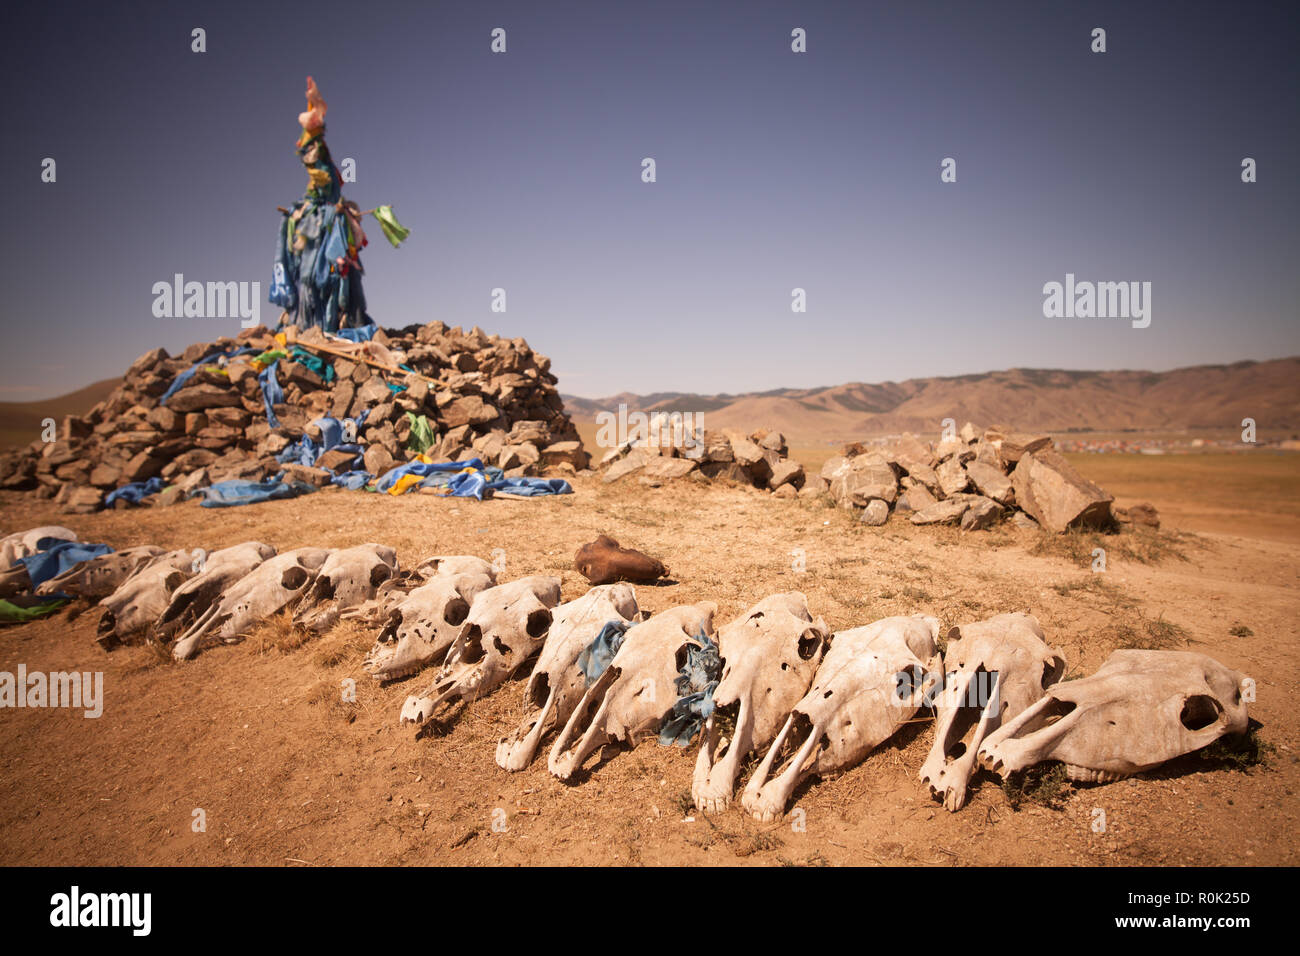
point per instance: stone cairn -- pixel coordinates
(974, 479)
(660, 451)
(483, 396)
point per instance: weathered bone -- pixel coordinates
(268, 589)
(100, 576)
(505, 627)
(770, 655)
(22, 544)
(141, 599)
(557, 684)
(636, 691)
(420, 628)
(1140, 709)
(219, 571)
(871, 682)
(994, 670)
(444, 565)
(348, 578)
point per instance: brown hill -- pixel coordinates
(20, 422)
(1055, 400)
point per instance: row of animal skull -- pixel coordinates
(812, 702)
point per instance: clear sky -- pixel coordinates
(775, 170)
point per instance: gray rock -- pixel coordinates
(983, 513)
(875, 514)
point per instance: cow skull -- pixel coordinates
(557, 683)
(994, 670)
(420, 628)
(637, 690)
(770, 655)
(100, 576)
(348, 578)
(1140, 709)
(141, 599)
(506, 626)
(871, 682)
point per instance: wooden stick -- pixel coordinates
(356, 357)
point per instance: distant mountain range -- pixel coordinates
(20, 422)
(1056, 400)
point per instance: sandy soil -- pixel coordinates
(257, 736)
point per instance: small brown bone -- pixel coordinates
(604, 561)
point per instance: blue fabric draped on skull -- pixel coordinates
(695, 686)
(595, 657)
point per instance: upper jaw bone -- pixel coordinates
(770, 654)
(997, 668)
(505, 627)
(557, 684)
(424, 625)
(1140, 709)
(636, 691)
(870, 683)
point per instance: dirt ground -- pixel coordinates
(257, 737)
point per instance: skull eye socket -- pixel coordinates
(455, 612)
(294, 578)
(909, 681)
(379, 574)
(1199, 712)
(1053, 671)
(809, 643)
(539, 622)
(472, 651)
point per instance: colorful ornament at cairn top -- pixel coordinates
(316, 278)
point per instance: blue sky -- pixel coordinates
(775, 170)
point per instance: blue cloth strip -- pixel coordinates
(57, 556)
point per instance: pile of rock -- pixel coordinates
(974, 478)
(482, 395)
(759, 459)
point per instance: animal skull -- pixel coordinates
(557, 684)
(505, 627)
(101, 576)
(142, 598)
(421, 626)
(770, 655)
(218, 572)
(636, 691)
(347, 578)
(268, 589)
(994, 670)
(1140, 709)
(23, 544)
(871, 681)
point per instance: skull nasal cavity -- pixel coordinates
(455, 612)
(473, 652)
(539, 622)
(294, 578)
(541, 689)
(1199, 712)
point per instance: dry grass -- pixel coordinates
(1144, 545)
(1139, 632)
